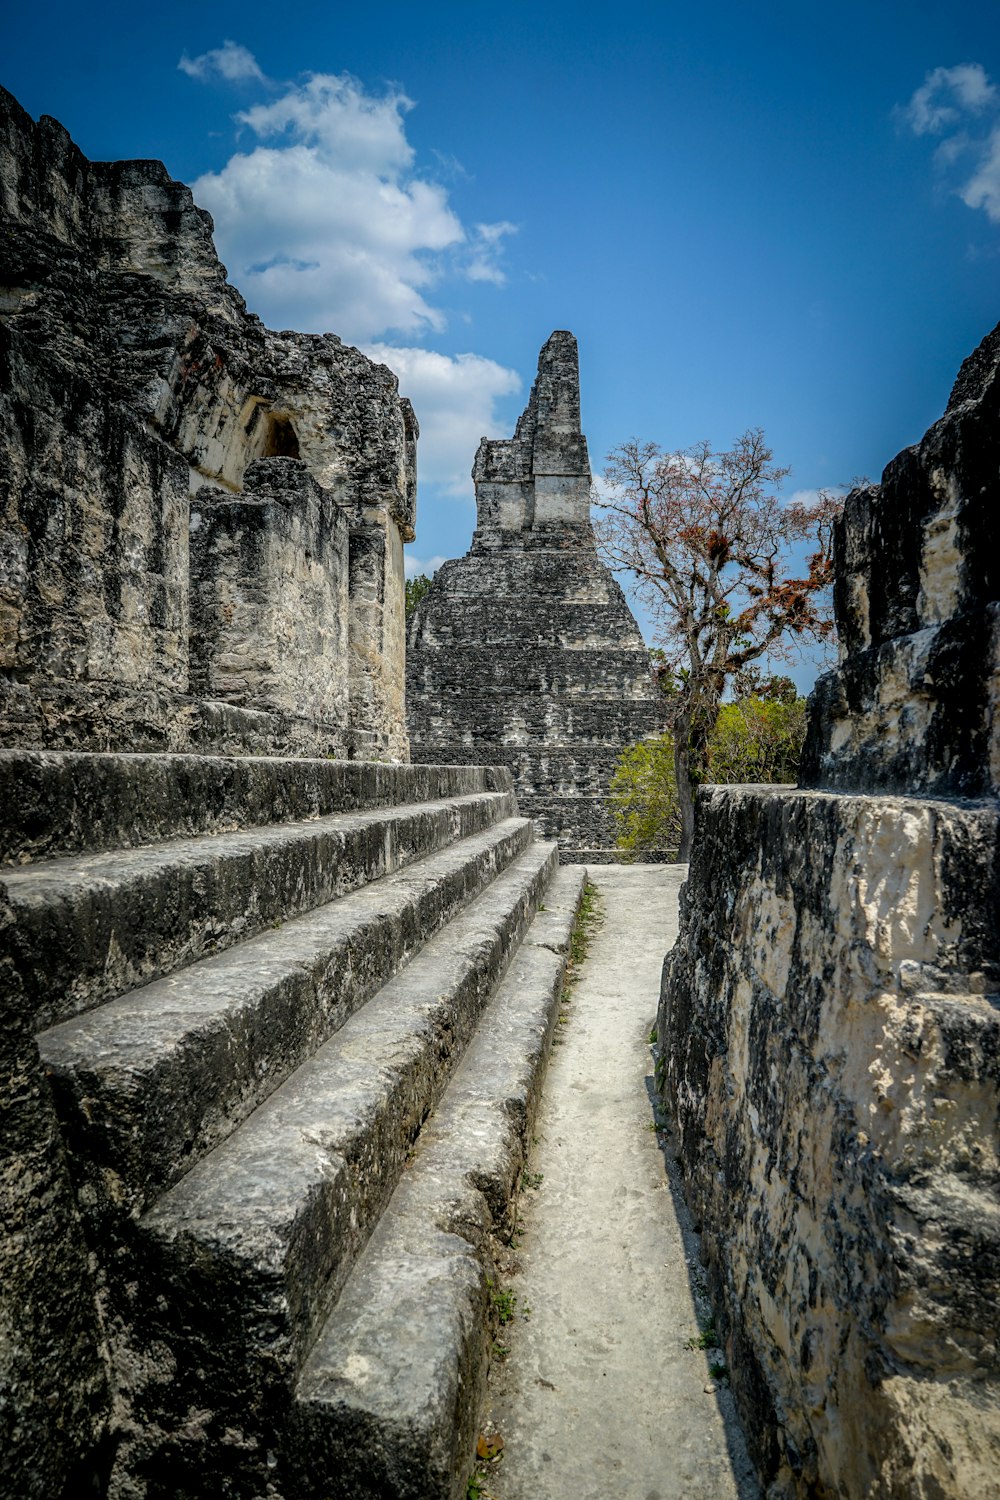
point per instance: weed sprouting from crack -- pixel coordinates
(589, 919)
(708, 1338)
(504, 1302)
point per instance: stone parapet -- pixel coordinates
(830, 1044)
(829, 1025)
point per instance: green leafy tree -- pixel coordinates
(644, 800)
(756, 739)
(711, 546)
(416, 588)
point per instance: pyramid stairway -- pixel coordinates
(295, 1015)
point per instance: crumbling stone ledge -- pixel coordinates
(829, 1032)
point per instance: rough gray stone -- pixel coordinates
(524, 652)
(55, 1392)
(234, 1129)
(151, 1082)
(62, 802)
(912, 705)
(201, 520)
(388, 1400)
(830, 1023)
(93, 926)
(242, 1259)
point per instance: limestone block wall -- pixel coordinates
(913, 704)
(270, 594)
(831, 1044)
(524, 653)
(131, 377)
(829, 1025)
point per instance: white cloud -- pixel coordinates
(983, 188)
(945, 95)
(455, 398)
(962, 106)
(414, 566)
(485, 243)
(362, 132)
(230, 61)
(325, 223)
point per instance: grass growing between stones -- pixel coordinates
(589, 919)
(504, 1303)
(708, 1341)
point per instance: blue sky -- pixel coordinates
(764, 215)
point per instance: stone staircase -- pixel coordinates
(295, 1016)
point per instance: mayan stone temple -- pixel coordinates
(524, 652)
(253, 963)
(277, 1003)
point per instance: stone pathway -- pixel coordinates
(599, 1397)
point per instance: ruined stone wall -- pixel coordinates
(269, 594)
(829, 1027)
(132, 377)
(524, 652)
(913, 706)
(55, 1388)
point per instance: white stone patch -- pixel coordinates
(357, 1369)
(941, 561)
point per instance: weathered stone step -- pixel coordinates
(151, 1081)
(64, 802)
(247, 1253)
(93, 926)
(388, 1400)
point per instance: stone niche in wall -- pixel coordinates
(201, 520)
(524, 653)
(829, 1028)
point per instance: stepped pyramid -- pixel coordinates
(524, 652)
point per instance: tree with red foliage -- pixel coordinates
(710, 543)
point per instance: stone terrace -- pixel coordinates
(292, 1036)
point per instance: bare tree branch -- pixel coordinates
(708, 540)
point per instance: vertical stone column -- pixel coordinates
(376, 636)
(560, 461)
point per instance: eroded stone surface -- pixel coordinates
(524, 652)
(830, 1023)
(912, 705)
(55, 1392)
(201, 520)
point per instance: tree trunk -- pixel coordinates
(685, 791)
